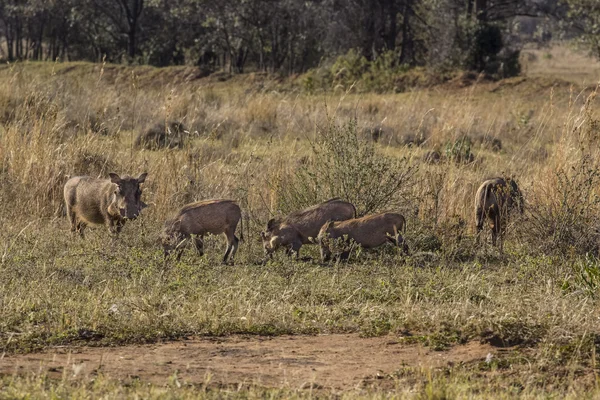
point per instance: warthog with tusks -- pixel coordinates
(108, 202)
(300, 227)
(201, 218)
(368, 232)
(495, 199)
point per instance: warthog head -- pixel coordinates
(171, 237)
(269, 237)
(126, 201)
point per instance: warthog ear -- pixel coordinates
(270, 224)
(144, 205)
(142, 177)
(114, 178)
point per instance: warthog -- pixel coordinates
(108, 202)
(201, 218)
(495, 199)
(369, 232)
(300, 227)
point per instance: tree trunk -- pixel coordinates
(393, 30)
(470, 9)
(406, 50)
(38, 53)
(18, 40)
(131, 46)
(9, 41)
(369, 40)
(481, 10)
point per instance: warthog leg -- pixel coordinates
(234, 248)
(325, 252)
(401, 243)
(115, 227)
(232, 245)
(199, 245)
(345, 255)
(80, 227)
(496, 230)
(72, 218)
(294, 249)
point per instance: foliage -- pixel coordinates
(587, 275)
(459, 150)
(349, 69)
(347, 166)
(487, 43)
(582, 19)
(286, 36)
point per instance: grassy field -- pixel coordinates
(270, 145)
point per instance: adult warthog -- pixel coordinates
(201, 218)
(298, 228)
(495, 199)
(368, 232)
(108, 202)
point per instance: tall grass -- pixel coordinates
(261, 145)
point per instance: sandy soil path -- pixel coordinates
(325, 361)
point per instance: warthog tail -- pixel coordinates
(242, 228)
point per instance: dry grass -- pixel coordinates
(248, 134)
(562, 62)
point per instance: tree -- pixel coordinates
(126, 16)
(583, 18)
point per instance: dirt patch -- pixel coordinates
(326, 361)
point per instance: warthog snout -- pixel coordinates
(130, 213)
(267, 246)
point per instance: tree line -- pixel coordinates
(287, 36)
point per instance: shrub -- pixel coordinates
(563, 214)
(348, 69)
(347, 166)
(168, 135)
(459, 151)
(587, 275)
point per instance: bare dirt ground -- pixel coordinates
(324, 361)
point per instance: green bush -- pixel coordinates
(347, 166)
(587, 275)
(349, 69)
(459, 151)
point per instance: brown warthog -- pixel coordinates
(200, 218)
(495, 199)
(108, 202)
(300, 227)
(368, 232)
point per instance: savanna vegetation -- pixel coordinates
(276, 146)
